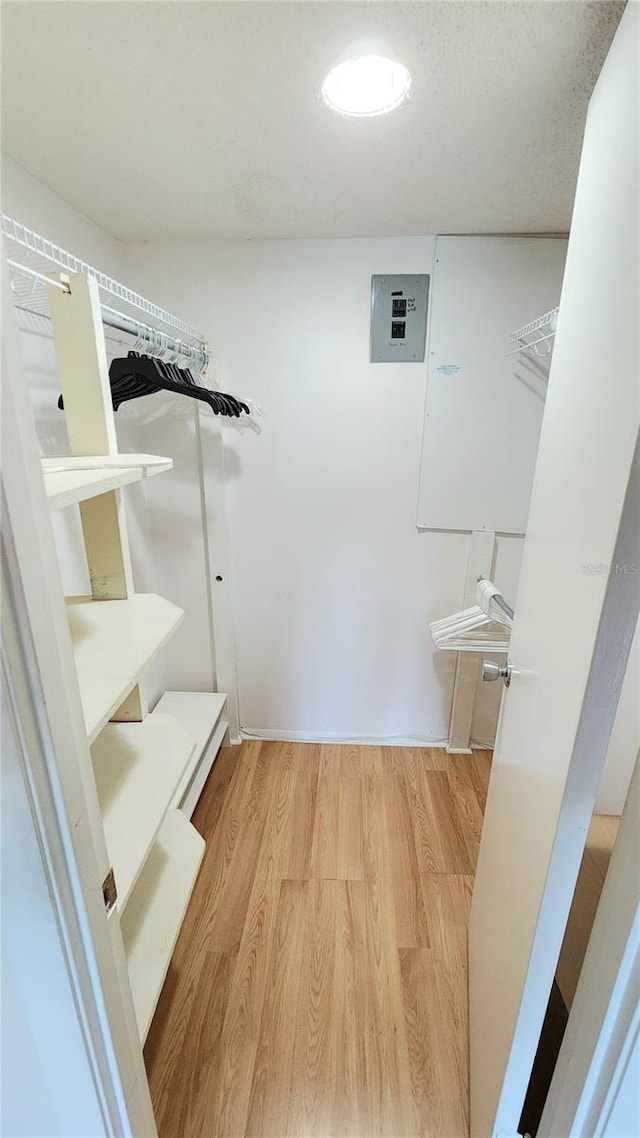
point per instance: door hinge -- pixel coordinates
(109, 891)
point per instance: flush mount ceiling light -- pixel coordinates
(368, 86)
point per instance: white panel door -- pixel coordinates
(576, 609)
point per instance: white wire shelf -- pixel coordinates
(543, 331)
(32, 258)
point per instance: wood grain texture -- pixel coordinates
(230, 1098)
(601, 839)
(411, 922)
(304, 813)
(272, 1070)
(319, 985)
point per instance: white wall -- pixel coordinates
(484, 407)
(333, 586)
(323, 648)
(31, 202)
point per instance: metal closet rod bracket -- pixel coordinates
(499, 600)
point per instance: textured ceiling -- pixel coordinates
(183, 120)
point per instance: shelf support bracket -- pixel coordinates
(84, 376)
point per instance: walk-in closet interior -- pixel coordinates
(320, 563)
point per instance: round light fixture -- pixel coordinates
(368, 86)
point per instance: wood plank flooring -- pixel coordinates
(319, 984)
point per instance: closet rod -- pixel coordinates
(28, 246)
(533, 344)
(502, 604)
(118, 320)
(499, 600)
(154, 337)
(37, 276)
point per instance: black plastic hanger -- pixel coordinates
(159, 375)
(135, 375)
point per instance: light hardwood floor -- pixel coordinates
(319, 985)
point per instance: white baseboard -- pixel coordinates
(336, 737)
(277, 736)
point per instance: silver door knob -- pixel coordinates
(490, 671)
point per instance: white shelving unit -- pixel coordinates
(68, 481)
(113, 642)
(137, 768)
(153, 917)
(143, 764)
(106, 775)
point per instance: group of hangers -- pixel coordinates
(136, 375)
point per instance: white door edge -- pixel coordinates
(612, 648)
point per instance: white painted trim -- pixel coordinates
(293, 736)
(218, 562)
(483, 744)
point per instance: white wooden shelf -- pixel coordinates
(113, 642)
(193, 789)
(74, 479)
(201, 716)
(152, 919)
(137, 767)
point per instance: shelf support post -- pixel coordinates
(84, 378)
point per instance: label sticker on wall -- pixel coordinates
(448, 369)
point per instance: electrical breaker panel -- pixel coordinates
(399, 317)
